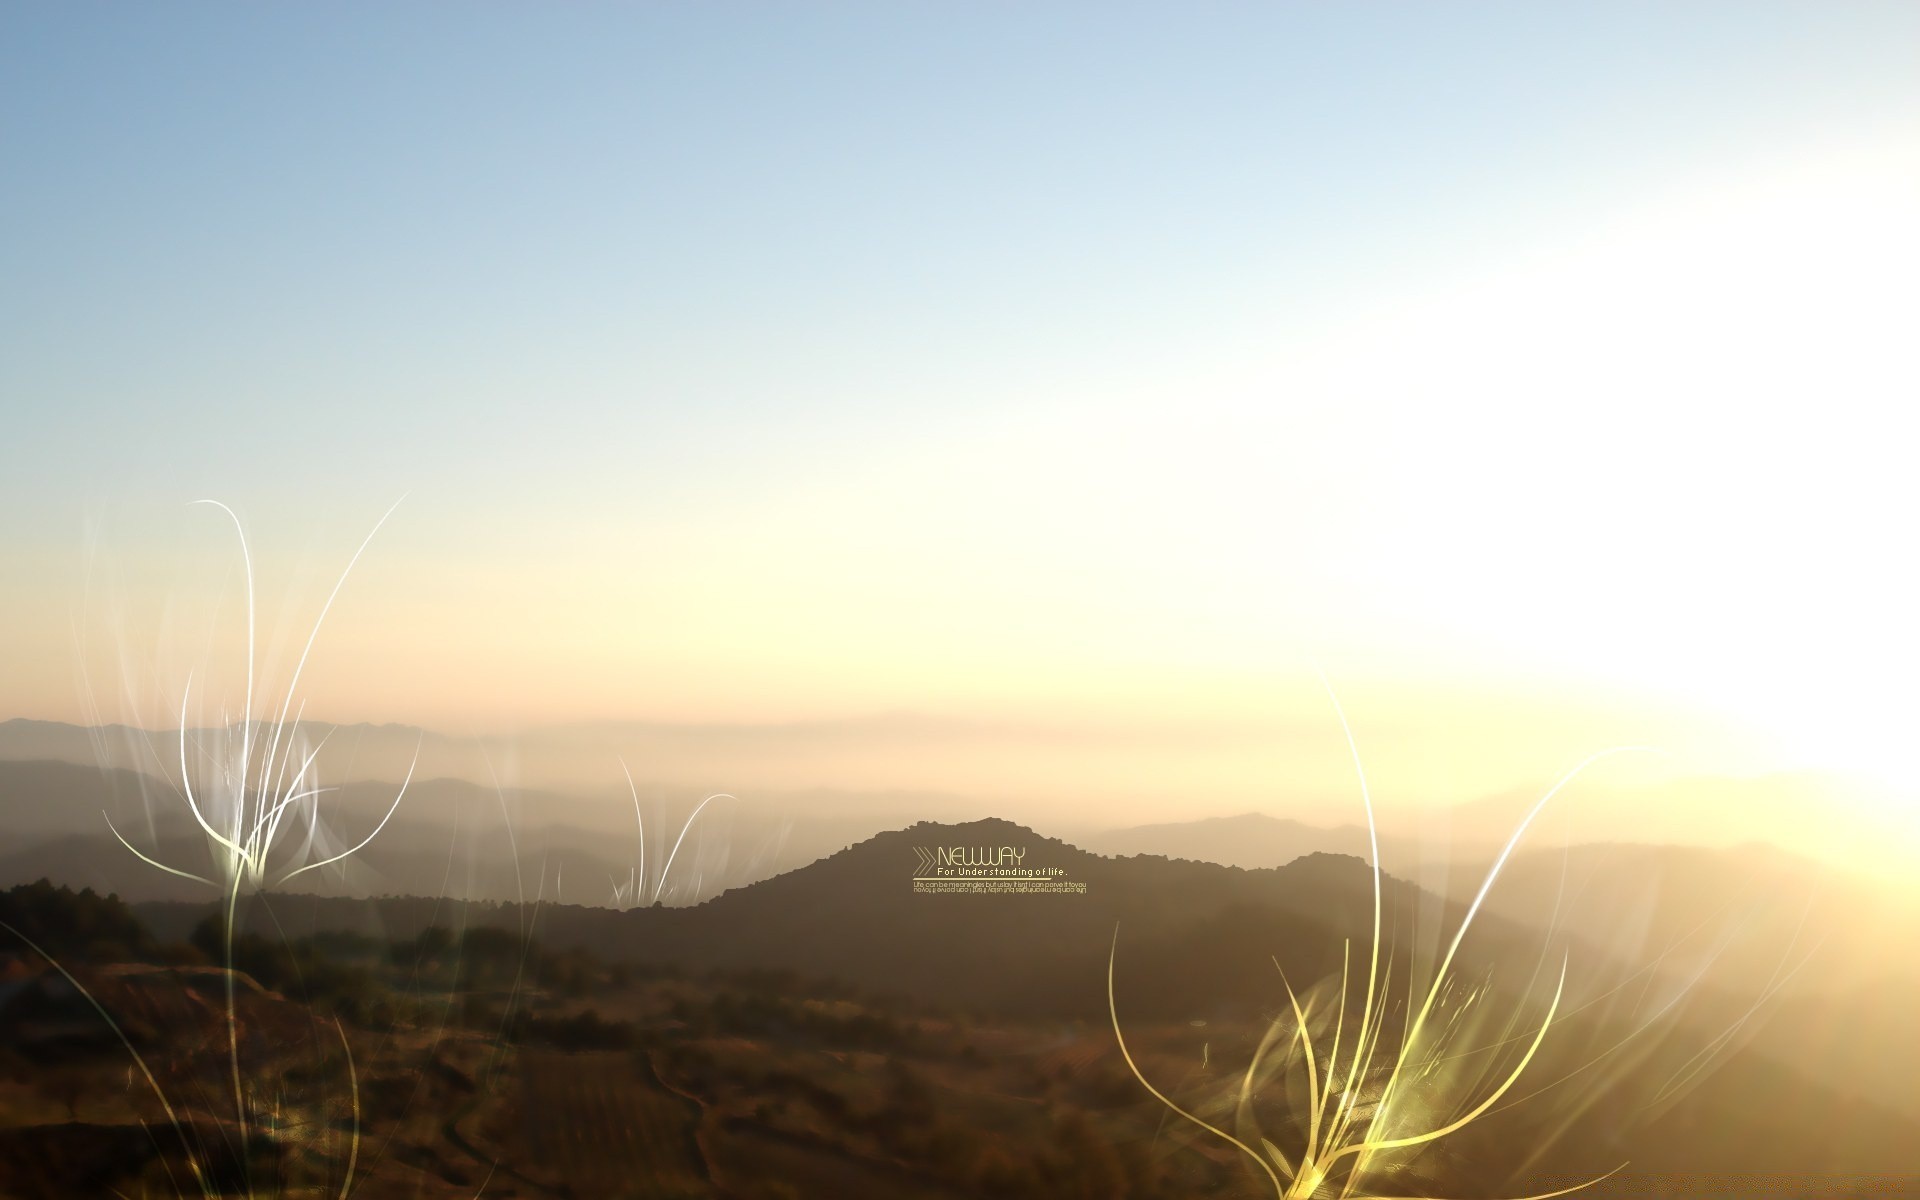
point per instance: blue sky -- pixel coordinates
(388, 231)
(1005, 330)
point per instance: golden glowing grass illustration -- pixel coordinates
(1365, 1105)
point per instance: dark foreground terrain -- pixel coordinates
(830, 1035)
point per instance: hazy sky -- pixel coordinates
(1087, 363)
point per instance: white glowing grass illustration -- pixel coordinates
(241, 788)
(634, 892)
(248, 783)
(1369, 1104)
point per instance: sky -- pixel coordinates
(1536, 372)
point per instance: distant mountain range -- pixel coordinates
(1753, 910)
(1202, 906)
(1190, 936)
(1200, 942)
(1249, 840)
(838, 770)
(1736, 914)
(1202, 954)
(448, 837)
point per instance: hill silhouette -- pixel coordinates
(1195, 940)
(1200, 942)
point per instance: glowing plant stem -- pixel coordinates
(146, 1073)
(268, 827)
(1339, 1024)
(281, 785)
(1678, 995)
(366, 841)
(294, 683)
(639, 873)
(233, 1033)
(1473, 910)
(150, 862)
(1565, 1191)
(235, 853)
(1333, 1110)
(1246, 1096)
(353, 1084)
(1459, 1123)
(1364, 1050)
(1114, 1012)
(1705, 1055)
(1312, 1154)
(1373, 847)
(246, 712)
(664, 871)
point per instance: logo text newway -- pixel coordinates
(986, 871)
(950, 861)
(978, 856)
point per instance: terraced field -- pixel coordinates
(603, 1126)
